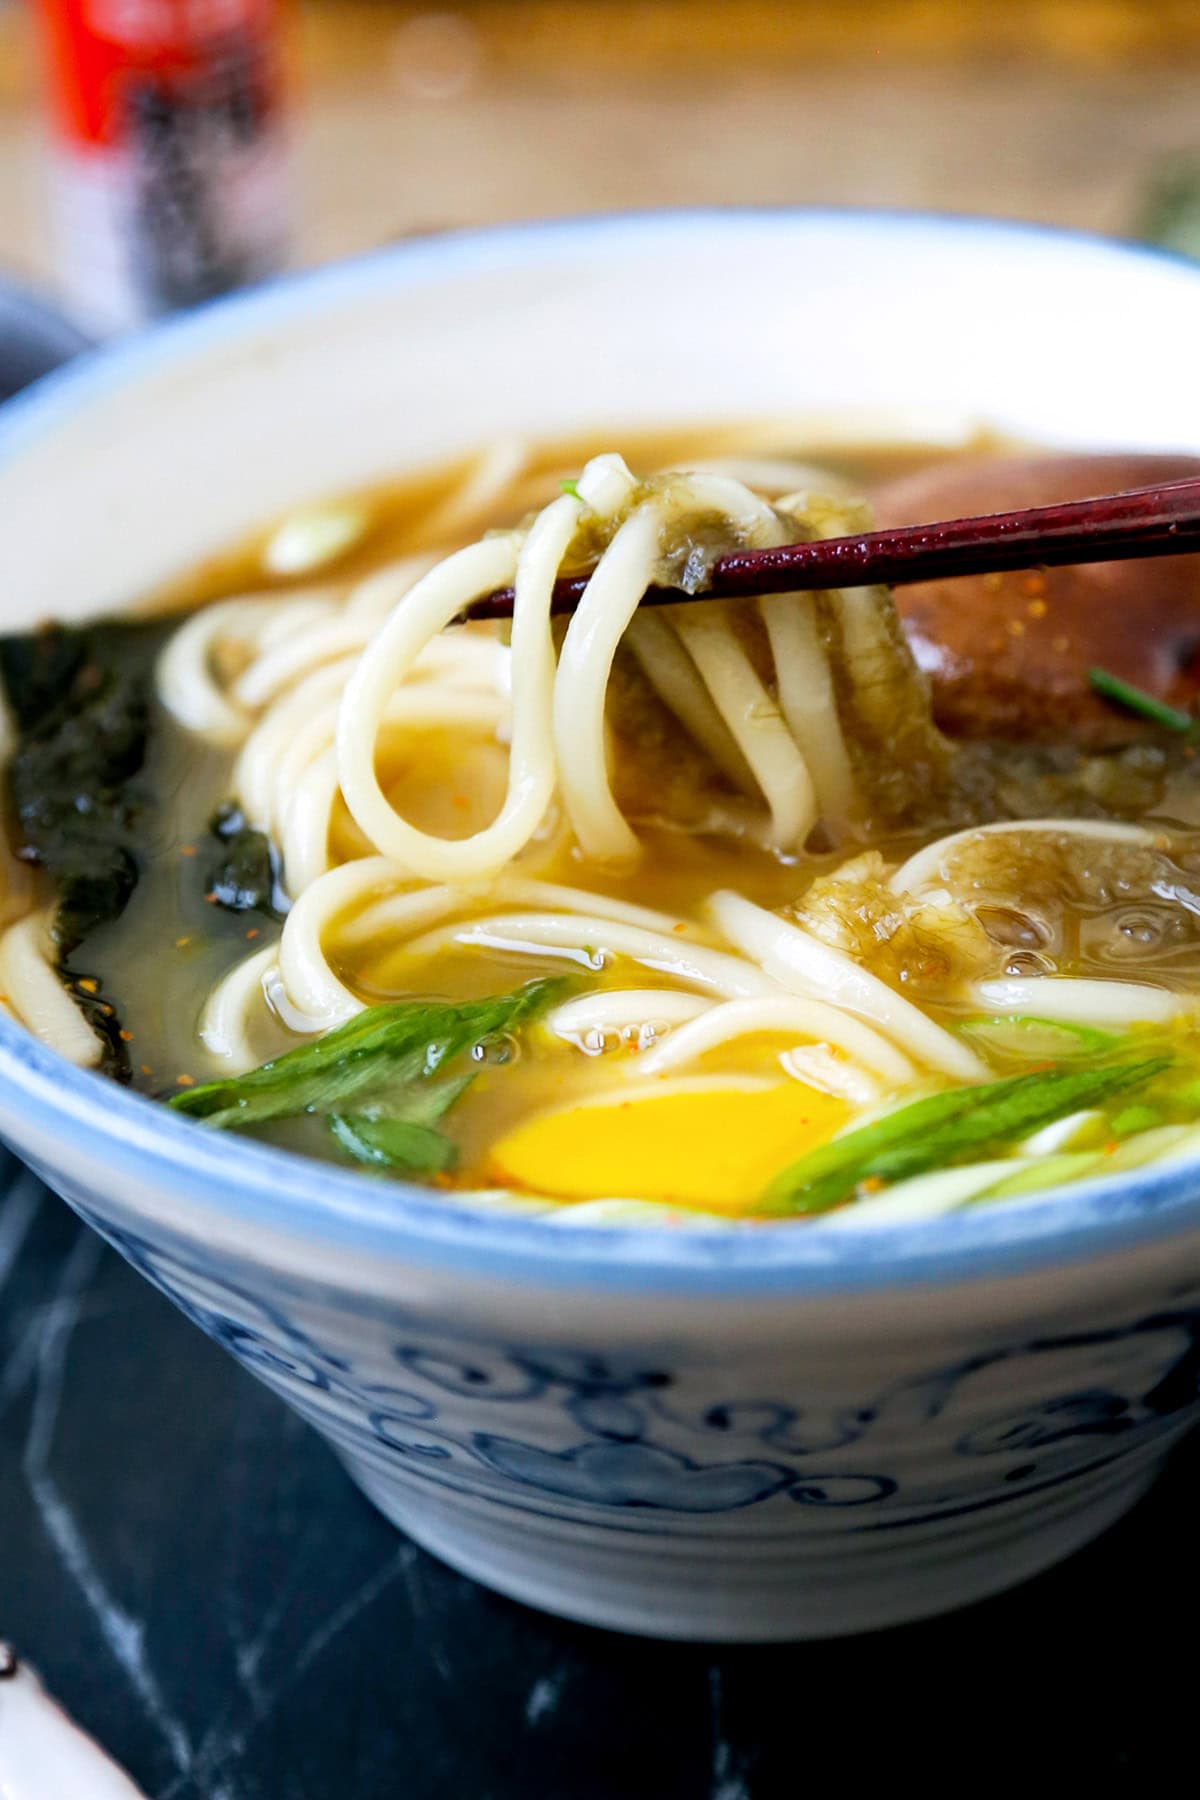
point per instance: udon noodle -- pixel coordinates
(734, 825)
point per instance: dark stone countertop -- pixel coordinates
(200, 1584)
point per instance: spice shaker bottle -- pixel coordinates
(169, 166)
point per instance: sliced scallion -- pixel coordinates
(1137, 700)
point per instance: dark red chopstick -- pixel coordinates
(1152, 521)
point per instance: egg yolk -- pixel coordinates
(696, 1144)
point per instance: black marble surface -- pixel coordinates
(203, 1588)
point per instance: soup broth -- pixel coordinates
(772, 928)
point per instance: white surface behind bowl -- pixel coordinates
(727, 1433)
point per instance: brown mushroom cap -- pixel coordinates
(1009, 655)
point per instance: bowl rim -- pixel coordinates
(278, 1191)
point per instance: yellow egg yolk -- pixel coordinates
(712, 1143)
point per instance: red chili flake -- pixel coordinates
(682, 926)
(185, 1081)
(253, 932)
(146, 1069)
(872, 1184)
(1033, 585)
(182, 943)
(126, 1037)
(211, 898)
(187, 849)
(460, 800)
(88, 984)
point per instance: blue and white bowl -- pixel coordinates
(724, 1432)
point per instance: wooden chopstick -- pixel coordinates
(1151, 521)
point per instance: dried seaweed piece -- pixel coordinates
(245, 878)
(80, 701)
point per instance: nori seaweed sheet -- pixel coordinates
(80, 702)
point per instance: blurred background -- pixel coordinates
(404, 118)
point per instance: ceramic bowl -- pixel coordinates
(727, 1432)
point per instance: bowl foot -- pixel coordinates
(677, 1582)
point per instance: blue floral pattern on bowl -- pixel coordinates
(623, 1437)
